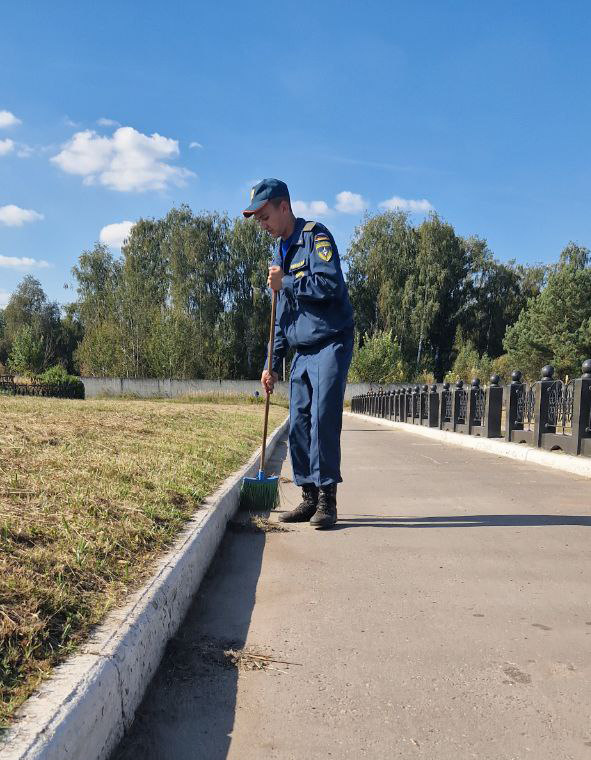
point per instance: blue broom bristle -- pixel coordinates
(260, 493)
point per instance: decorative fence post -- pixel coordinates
(542, 406)
(433, 418)
(582, 411)
(493, 408)
(514, 393)
(424, 405)
(415, 404)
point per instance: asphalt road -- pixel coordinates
(447, 616)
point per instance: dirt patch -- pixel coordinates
(208, 651)
(515, 675)
(256, 524)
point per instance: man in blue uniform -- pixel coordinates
(314, 316)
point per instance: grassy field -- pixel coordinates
(90, 493)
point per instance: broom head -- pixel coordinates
(260, 493)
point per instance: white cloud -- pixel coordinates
(23, 262)
(350, 203)
(24, 151)
(195, 145)
(114, 235)
(71, 123)
(8, 119)
(6, 146)
(405, 204)
(13, 216)
(128, 161)
(102, 122)
(4, 298)
(310, 209)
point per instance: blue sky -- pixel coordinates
(479, 110)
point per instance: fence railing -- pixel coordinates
(549, 414)
(57, 390)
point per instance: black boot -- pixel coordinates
(326, 514)
(304, 511)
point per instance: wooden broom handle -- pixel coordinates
(269, 369)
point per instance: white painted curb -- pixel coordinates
(84, 708)
(559, 461)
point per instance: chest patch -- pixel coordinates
(323, 247)
(297, 264)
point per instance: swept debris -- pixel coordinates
(256, 524)
(224, 654)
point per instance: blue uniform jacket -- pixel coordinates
(313, 307)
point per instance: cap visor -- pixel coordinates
(254, 207)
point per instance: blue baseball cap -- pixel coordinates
(266, 190)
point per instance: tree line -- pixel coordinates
(433, 305)
(187, 298)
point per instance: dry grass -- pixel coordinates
(202, 397)
(186, 661)
(256, 524)
(90, 493)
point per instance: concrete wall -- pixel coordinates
(154, 388)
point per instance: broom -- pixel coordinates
(262, 493)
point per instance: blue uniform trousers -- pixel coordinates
(318, 379)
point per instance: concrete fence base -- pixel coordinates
(156, 388)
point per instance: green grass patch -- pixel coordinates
(90, 493)
(207, 398)
(238, 398)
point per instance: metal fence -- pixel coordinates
(549, 414)
(57, 390)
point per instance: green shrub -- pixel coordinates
(66, 386)
(378, 360)
(27, 353)
(469, 364)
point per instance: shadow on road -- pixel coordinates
(462, 521)
(189, 708)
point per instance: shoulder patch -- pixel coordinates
(309, 226)
(323, 247)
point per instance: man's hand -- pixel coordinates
(275, 278)
(268, 380)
